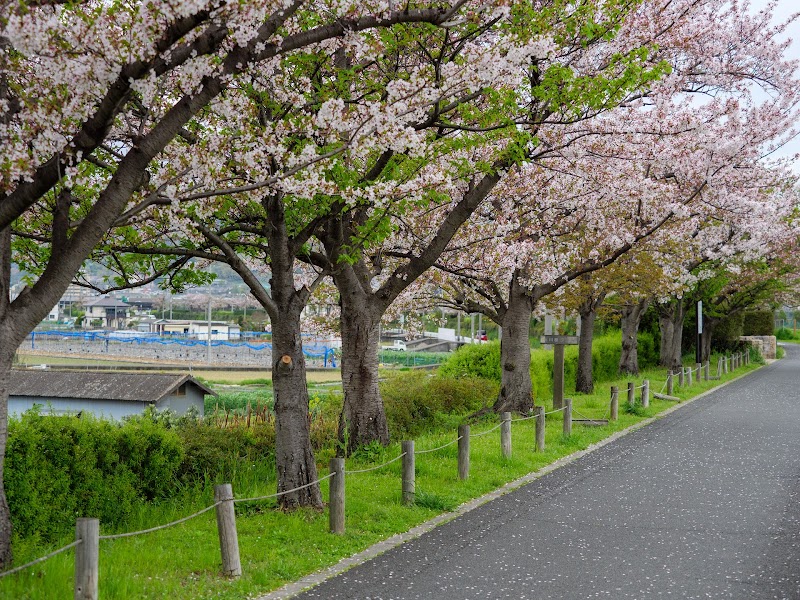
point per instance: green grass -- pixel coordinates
(277, 547)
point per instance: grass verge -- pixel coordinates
(277, 548)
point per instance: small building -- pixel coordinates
(107, 395)
(106, 312)
(220, 330)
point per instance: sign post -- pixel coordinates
(558, 342)
(699, 352)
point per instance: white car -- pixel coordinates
(398, 345)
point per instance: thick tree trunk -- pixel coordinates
(584, 381)
(293, 455)
(631, 317)
(670, 321)
(6, 359)
(709, 323)
(667, 327)
(516, 389)
(363, 419)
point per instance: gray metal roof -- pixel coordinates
(106, 301)
(136, 387)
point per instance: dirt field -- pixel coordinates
(233, 376)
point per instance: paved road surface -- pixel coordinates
(700, 504)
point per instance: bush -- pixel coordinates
(785, 334)
(415, 401)
(474, 360)
(61, 468)
(761, 322)
(484, 361)
(216, 454)
(728, 331)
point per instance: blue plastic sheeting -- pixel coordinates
(323, 352)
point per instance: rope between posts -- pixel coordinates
(152, 529)
(555, 411)
(440, 447)
(664, 386)
(328, 476)
(580, 414)
(378, 467)
(487, 431)
(42, 559)
(523, 418)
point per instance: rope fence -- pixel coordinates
(488, 431)
(439, 448)
(41, 559)
(388, 462)
(88, 530)
(117, 536)
(283, 493)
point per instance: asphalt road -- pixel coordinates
(700, 504)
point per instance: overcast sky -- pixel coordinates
(783, 10)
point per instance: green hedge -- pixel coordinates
(415, 401)
(484, 361)
(61, 468)
(759, 322)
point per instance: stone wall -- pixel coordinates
(767, 345)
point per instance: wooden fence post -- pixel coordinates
(463, 451)
(727, 365)
(336, 500)
(706, 369)
(567, 417)
(670, 384)
(505, 434)
(226, 527)
(614, 412)
(645, 393)
(87, 558)
(631, 394)
(681, 374)
(719, 367)
(539, 412)
(409, 486)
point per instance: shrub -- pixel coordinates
(760, 322)
(414, 401)
(484, 361)
(728, 331)
(474, 360)
(60, 468)
(216, 454)
(785, 334)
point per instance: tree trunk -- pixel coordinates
(516, 389)
(631, 317)
(670, 321)
(584, 381)
(709, 323)
(293, 455)
(588, 311)
(363, 419)
(6, 360)
(667, 328)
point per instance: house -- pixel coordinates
(109, 395)
(106, 312)
(220, 330)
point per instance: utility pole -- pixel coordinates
(208, 346)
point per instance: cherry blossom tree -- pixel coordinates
(682, 154)
(91, 96)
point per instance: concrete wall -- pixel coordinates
(106, 409)
(767, 345)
